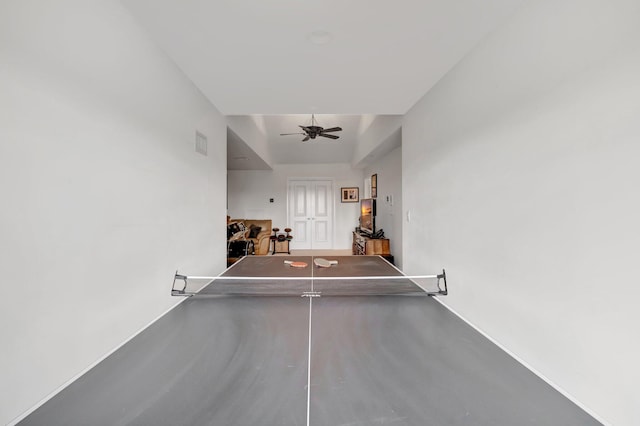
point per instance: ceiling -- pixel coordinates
(280, 57)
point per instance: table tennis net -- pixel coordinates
(311, 286)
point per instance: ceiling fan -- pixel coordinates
(311, 132)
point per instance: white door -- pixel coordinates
(300, 214)
(322, 215)
(311, 213)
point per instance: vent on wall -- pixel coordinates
(201, 143)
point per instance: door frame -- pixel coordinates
(332, 201)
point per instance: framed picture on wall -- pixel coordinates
(350, 195)
(374, 186)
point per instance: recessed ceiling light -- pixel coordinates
(319, 37)
(241, 158)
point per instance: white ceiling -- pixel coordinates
(257, 57)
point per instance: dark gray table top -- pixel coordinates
(358, 360)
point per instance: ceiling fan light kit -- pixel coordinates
(313, 131)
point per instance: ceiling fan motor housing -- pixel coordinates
(313, 131)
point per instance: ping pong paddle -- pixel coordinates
(296, 264)
(324, 263)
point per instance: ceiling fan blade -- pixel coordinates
(328, 136)
(305, 139)
(333, 129)
(286, 134)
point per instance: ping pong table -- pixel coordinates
(230, 357)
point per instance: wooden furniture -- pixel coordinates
(363, 245)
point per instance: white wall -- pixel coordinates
(251, 130)
(103, 196)
(521, 174)
(379, 131)
(249, 192)
(389, 199)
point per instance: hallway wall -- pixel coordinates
(104, 196)
(389, 201)
(521, 179)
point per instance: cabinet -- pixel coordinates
(363, 245)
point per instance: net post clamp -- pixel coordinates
(443, 277)
(174, 290)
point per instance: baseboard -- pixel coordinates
(526, 365)
(84, 371)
